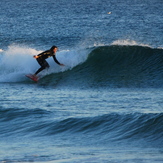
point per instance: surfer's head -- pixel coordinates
(54, 49)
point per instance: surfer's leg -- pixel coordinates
(43, 65)
(39, 70)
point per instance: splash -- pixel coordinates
(128, 43)
(17, 61)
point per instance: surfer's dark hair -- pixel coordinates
(53, 47)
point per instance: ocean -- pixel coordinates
(105, 105)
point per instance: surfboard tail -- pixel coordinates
(32, 77)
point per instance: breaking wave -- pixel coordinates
(112, 65)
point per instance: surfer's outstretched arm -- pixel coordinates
(55, 59)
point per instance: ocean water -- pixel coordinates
(105, 105)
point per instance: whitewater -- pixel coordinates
(105, 105)
(16, 61)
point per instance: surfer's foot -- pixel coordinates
(35, 76)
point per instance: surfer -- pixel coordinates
(41, 59)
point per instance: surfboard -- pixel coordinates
(32, 77)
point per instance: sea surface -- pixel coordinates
(105, 105)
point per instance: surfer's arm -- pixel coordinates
(41, 54)
(37, 56)
(55, 59)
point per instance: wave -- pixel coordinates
(126, 65)
(113, 126)
(116, 66)
(111, 66)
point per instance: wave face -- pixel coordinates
(117, 66)
(127, 65)
(111, 127)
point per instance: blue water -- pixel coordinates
(105, 104)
